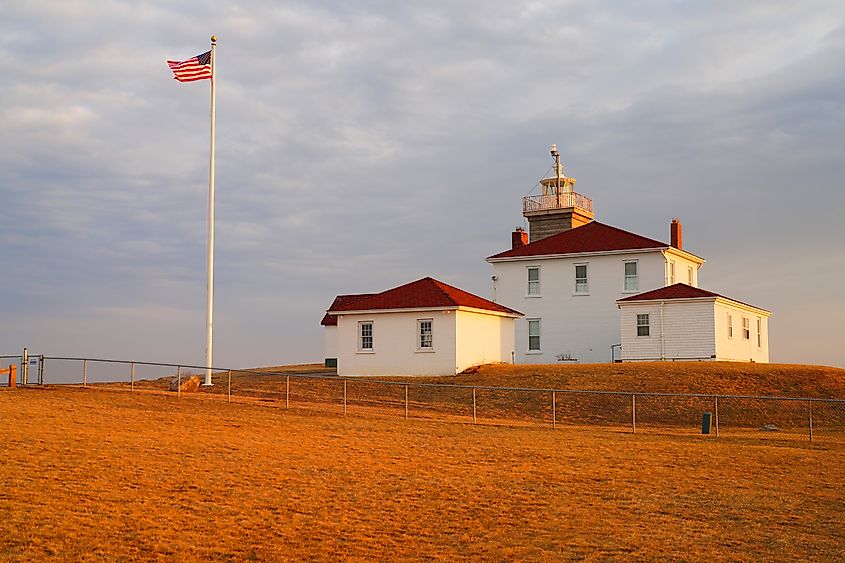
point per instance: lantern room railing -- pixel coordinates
(556, 201)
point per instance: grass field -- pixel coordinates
(451, 398)
(97, 474)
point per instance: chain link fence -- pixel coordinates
(757, 417)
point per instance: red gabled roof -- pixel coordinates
(680, 291)
(677, 291)
(592, 237)
(423, 293)
(331, 320)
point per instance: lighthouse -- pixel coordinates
(558, 208)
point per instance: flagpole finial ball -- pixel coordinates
(214, 39)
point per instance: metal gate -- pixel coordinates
(32, 369)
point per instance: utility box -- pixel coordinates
(706, 423)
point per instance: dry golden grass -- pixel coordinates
(723, 378)
(97, 474)
(450, 400)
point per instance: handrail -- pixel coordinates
(556, 201)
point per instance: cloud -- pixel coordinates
(364, 145)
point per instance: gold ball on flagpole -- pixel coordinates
(214, 39)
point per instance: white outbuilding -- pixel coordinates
(681, 322)
(425, 327)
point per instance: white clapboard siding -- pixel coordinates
(737, 347)
(578, 327)
(694, 329)
(687, 331)
(461, 338)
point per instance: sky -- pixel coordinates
(362, 145)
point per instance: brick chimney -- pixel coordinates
(519, 238)
(676, 234)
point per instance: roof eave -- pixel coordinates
(746, 306)
(713, 298)
(492, 259)
(395, 310)
(684, 254)
(512, 313)
(624, 301)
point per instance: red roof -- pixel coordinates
(331, 320)
(424, 293)
(679, 291)
(592, 237)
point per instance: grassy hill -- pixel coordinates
(722, 378)
(444, 402)
(727, 378)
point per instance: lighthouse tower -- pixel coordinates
(558, 208)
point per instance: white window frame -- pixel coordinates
(420, 335)
(538, 336)
(691, 276)
(759, 333)
(361, 336)
(671, 274)
(586, 284)
(746, 328)
(640, 324)
(730, 325)
(537, 288)
(635, 278)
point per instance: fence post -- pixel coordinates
(810, 404)
(633, 414)
(287, 392)
(229, 388)
(717, 416)
(25, 366)
(474, 419)
(178, 381)
(406, 401)
(132, 377)
(344, 397)
(85, 373)
(41, 371)
(554, 409)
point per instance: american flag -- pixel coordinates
(195, 68)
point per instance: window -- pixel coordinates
(642, 324)
(746, 329)
(534, 280)
(533, 335)
(730, 326)
(581, 285)
(690, 276)
(365, 336)
(759, 332)
(671, 272)
(632, 281)
(424, 332)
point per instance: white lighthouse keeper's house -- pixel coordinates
(570, 275)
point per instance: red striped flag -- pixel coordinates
(195, 68)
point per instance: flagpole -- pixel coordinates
(210, 308)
